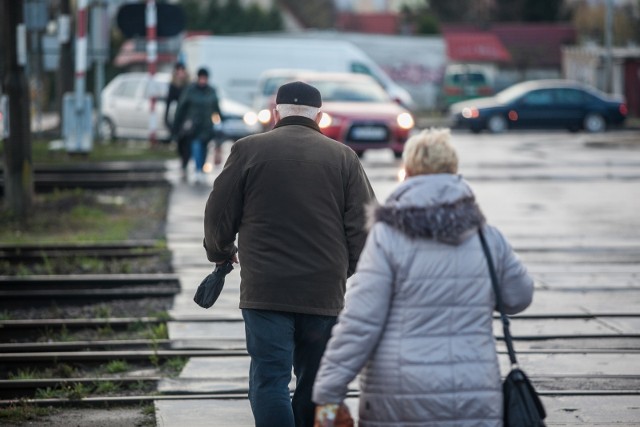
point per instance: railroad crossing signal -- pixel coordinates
(131, 20)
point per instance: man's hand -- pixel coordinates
(233, 259)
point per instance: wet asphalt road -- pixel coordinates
(568, 203)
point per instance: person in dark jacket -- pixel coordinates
(179, 80)
(297, 200)
(198, 103)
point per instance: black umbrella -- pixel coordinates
(210, 288)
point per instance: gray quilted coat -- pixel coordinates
(417, 323)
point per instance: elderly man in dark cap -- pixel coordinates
(296, 199)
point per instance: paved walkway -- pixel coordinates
(221, 327)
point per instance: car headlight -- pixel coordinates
(405, 121)
(250, 118)
(470, 113)
(264, 116)
(325, 121)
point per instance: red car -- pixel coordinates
(357, 112)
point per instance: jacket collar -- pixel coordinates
(298, 120)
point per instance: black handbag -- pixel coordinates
(522, 405)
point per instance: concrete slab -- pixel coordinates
(561, 410)
(207, 335)
(588, 363)
(217, 367)
(547, 301)
(201, 413)
(556, 327)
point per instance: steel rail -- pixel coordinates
(134, 400)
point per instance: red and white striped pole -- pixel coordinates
(152, 61)
(80, 74)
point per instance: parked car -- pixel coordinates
(357, 111)
(126, 109)
(542, 104)
(463, 82)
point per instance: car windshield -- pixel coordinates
(350, 91)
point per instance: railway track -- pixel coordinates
(16, 356)
(96, 175)
(32, 253)
(36, 291)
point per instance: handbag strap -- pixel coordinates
(500, 306)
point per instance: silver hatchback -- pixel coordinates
(126, 109)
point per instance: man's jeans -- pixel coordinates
(277, 340)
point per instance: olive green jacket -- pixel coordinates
(193, 115)
(297, 199)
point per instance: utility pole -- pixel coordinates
(151, 21)
(608, 41)
(18, 166)
(65, 67)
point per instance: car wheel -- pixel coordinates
(107, 129)
(497, 124)
(594, 122)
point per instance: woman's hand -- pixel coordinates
(333, 415)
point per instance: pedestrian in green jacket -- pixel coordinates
(194, 118)
(296, 198)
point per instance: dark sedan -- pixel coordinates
(541, 104)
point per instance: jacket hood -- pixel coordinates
(440, 206)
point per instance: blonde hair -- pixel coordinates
(430, 152)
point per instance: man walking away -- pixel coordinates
(297, 200)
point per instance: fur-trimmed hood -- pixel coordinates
(440, 206)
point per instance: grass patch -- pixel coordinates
(116, 367)
(106, 387)
(24, 374)
(75, 391)
(83, 216)
(107, 152)
(174, 365)
(158, 332)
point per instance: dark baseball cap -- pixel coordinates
(299, 93)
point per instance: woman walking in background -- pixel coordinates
(179, 80)
(418, 315)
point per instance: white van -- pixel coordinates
(235, 63)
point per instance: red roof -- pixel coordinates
(531, 45)
(536, 44)
(475, 47)
(377, 23)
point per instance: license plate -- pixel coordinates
(369, 133)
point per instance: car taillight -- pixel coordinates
(450, 90)
(623, 109)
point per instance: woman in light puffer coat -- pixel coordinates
(418, 315)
